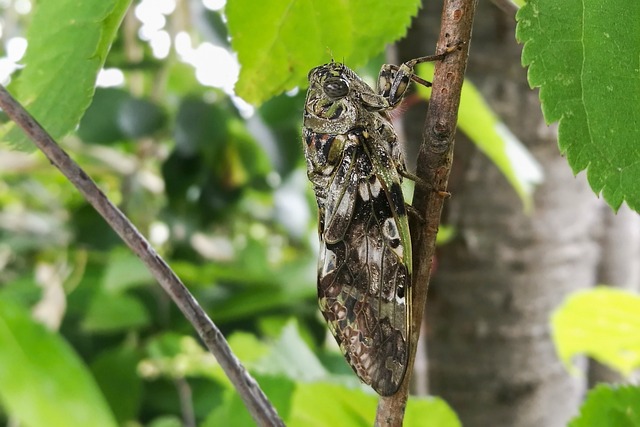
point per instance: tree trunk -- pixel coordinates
(496, 284)
(619, 267)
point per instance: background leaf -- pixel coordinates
(603, 323)
(349, 31)
(292, 357)
(68, 44)
(42, 381)
(326, 405)
(493, 138)
(123, 271)
(234, 413)
(115, 371)
(610, 406)
(588, 70)
(430, 412)
(112, 312)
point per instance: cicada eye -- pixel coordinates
(336, 88)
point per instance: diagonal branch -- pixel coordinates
(434, 165)
(255, 400)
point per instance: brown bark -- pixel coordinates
(434, 167)
(490, 351)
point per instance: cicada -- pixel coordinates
(356, 166)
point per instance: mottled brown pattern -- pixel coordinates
(364, 266)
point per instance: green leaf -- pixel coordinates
(604, 323)
(91, 230)
(109, 313)
(201, 128)
(68, 43)
(493, 138)
(115, 115)
(292, 357)
(115, 371)
(254, 300)
(100, 122)
(430, 412)
(289, 356)
(282, 115)
(140, 117)
(42, 381)
(233, 411)
(21, 290)
(279, 41)
(124, 270)
(586, 65)
(166, 421)
(247, 348)
(610, 406)
(327, 405)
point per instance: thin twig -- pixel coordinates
(434, 166)
(186, 402)
(255, 400)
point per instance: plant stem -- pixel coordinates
(255, 400)
(434, 165)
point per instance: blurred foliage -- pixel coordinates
(222, 197)
(603, 323)
(58, 385)
(610, 406)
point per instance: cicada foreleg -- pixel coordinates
(393, 80)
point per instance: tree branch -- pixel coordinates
(434, 165)
(254, 399)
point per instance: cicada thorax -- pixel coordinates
(364, 266)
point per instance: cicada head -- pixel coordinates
(331, 104)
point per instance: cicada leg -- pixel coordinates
(393, 80)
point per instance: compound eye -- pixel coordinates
(336, 88)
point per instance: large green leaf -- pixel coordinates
(586, 60)
(610, 406)
(604, 323)
(279, 41)
(42, 381)
(68, 43)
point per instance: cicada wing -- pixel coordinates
(363, 279)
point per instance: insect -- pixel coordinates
(356, 167)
